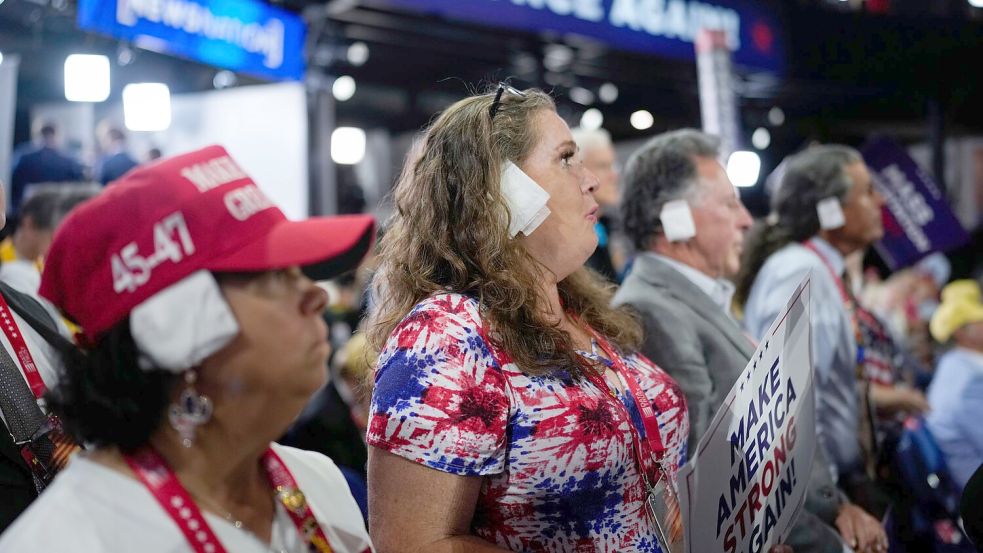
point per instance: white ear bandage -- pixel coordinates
(677, 221)
(178, 327)
(526, 200)
(830, 213)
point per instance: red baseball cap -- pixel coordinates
(162, 222)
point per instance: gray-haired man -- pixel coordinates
(688, 223)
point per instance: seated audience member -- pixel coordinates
(26, 373)
(824, 209)
(679, 286)
(203, 340)
(22, 253)
(956, 392)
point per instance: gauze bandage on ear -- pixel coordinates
(830, 213)
(526, 200)
(677, 221)
(178, 327)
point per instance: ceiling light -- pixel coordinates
(608, 93)
(743, 168)
(357, 53)
(581, 95)
(86, 78)
(347, 145)
(224, 79)
(147, 106)
(776, 116)
(592, 119)
(761, 138)
(642, 119)
(343, 88)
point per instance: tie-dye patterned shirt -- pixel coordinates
(555, 450)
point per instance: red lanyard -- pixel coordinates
(852, 307)
(16, 338)
(836, 278)
(161, 481)
(649, 418)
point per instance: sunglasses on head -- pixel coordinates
(502, 88)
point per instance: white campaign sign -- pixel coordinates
(745, 484)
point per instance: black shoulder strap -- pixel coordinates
(36, 316)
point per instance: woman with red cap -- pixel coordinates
(202, 341)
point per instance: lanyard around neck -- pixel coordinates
(650, 421)
(21, 352)
(153, 471)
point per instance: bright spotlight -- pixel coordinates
(743, 168)
(976, 3)
(86, 78)
(1, 53)
(347, 145)
(592, 119)
(224, 79)
(147, 106)
(581, 95)
(343, 88)
(761, 138)
(776, 116)
(357, 53)
(642, 119)
(608, 93)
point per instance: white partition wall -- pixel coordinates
(264, 127)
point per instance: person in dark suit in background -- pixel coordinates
(687, 222)
(116, 161)
(42, 162)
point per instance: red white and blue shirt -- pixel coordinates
(555, 450)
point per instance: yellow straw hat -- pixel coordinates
(960, 306)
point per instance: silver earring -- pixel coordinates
(190, 411)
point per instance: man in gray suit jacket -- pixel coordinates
(688, 225)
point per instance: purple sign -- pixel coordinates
(917, 218)
(661, 27)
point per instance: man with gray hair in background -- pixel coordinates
(824, 209)
(687, 222)
(597, 151)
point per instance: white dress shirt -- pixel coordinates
(720, 290)
(834, 346)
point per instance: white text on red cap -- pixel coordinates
(131, 270)
(214, 173)
(246, 201)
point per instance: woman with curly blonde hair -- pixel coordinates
(510, 410)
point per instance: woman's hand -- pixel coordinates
(861, 532)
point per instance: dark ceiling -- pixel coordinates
(849, 73)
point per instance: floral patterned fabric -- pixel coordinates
(555, 450)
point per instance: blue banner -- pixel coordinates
(661, 27)
(917, 219)
(242, 35)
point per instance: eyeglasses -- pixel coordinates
(502, 87)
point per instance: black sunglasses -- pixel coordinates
(502, 87)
